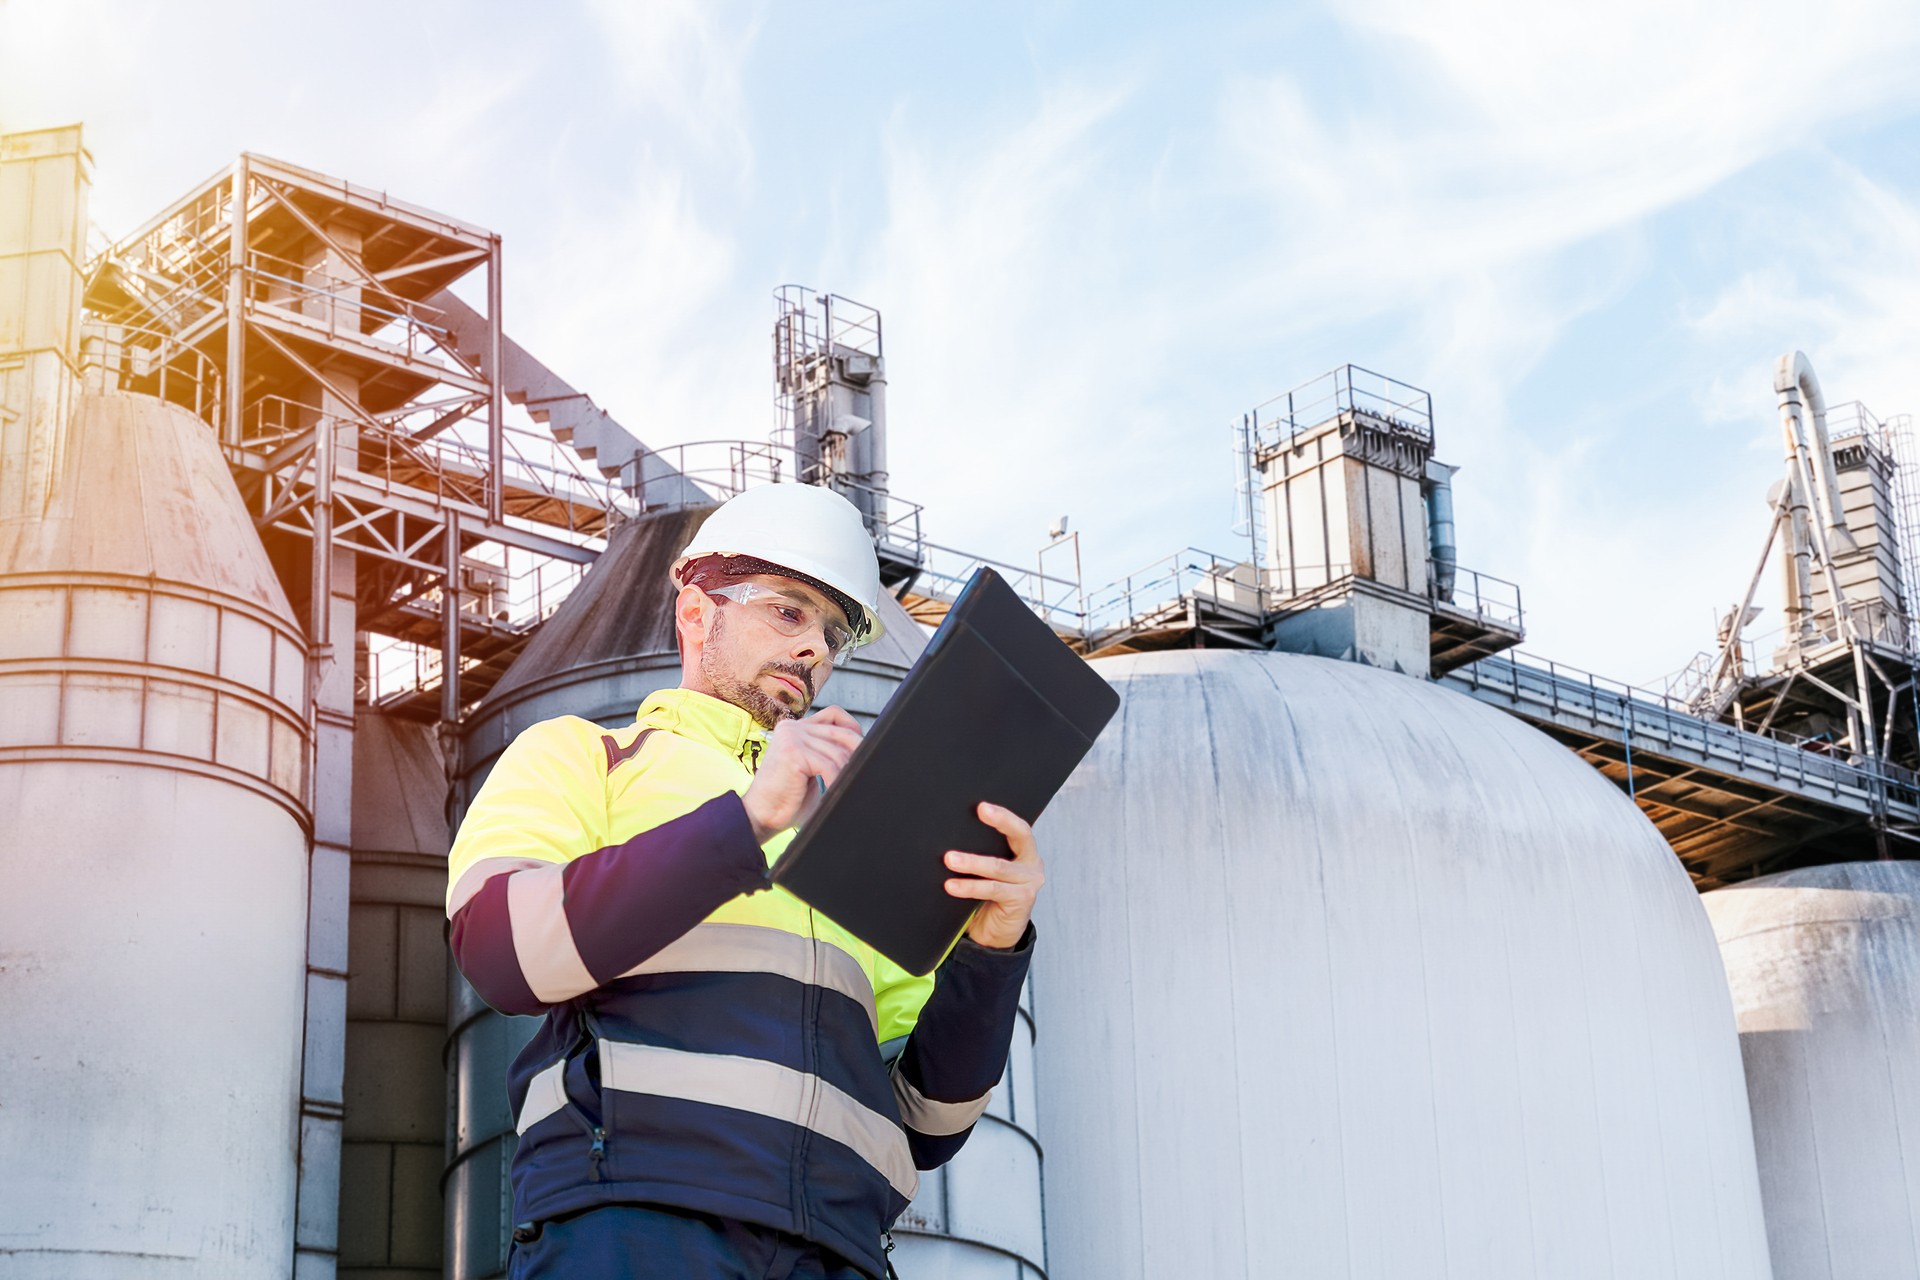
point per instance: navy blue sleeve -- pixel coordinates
(628, 901)
(621, 904)
(958, 1049)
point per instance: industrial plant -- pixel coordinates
(1374, 945)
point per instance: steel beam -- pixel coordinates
(236, 381)
(496, 404)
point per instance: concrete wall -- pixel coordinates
(394, 1141)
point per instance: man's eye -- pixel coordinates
(789, 615)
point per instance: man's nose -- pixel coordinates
(810, 643)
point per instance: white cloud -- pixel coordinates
(681, 72)
(1027, 344)
(1841, 282)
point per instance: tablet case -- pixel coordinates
(997, 709)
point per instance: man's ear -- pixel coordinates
(691, 608)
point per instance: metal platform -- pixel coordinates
(1733, 803)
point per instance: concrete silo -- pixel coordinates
(153, 853)
(606, 648)
(1348, 975)
(1824, 963)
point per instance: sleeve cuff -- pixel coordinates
(1022, 949)
(735, 828)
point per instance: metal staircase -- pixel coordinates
(569, 414)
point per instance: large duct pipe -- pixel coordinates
(1441, 546)
(1796, 558)
(1799, 393)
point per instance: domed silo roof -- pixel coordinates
(146, 494)
(1344, 974)
(153, 864)
(1824, 963)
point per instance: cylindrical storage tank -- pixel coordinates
(1824, 964)
(603, 651)
(979, 1216)
(153, 867)
(1342, 974)
(394, 1131)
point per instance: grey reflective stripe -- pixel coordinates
(475, 877)
(753, 948)
(546, 1094)
(542, 938)
(935, 1119)
(765, 1089)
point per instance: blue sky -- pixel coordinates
(1098, 232)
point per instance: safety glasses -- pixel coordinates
(790, 615)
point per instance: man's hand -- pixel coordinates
(784, 791)
(1006, 887)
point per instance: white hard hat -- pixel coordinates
(801, 531)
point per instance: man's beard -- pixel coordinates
(766, 710)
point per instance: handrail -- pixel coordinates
(1345, 388)
(700, 472)
(1653, 717)
(131, 357)
(1493, 600)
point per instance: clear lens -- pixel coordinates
(789, 615)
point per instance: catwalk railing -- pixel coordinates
(1348, 388)
(1645, 720)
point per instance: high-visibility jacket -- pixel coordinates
(709, 1042)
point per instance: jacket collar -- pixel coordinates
(705, 718)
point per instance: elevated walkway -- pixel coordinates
(1733, 803)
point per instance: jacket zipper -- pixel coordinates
(598, 1152)
(810, 1087)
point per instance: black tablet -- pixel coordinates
(996, 709)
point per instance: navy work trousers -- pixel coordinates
(620, 1241)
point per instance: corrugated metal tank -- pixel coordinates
(1825, 969)
(607, 647)
(153, 866)
(394, 1145)
(1346, 975)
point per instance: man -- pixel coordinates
(725, 1083)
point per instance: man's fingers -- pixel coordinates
(810, 731)
(843, 740)
(825, 761)
(1011, 825)
(988, 866)
(834, 716)
(988, 890)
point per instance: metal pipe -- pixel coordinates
(1796, 562)
(320, 600)
(1861, 730)
(1736, 625)
(1796, 385)
(876, 445)
(496, 392)
(1799, 390)
(450, 626)
(1438, 491)
(236, 301)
